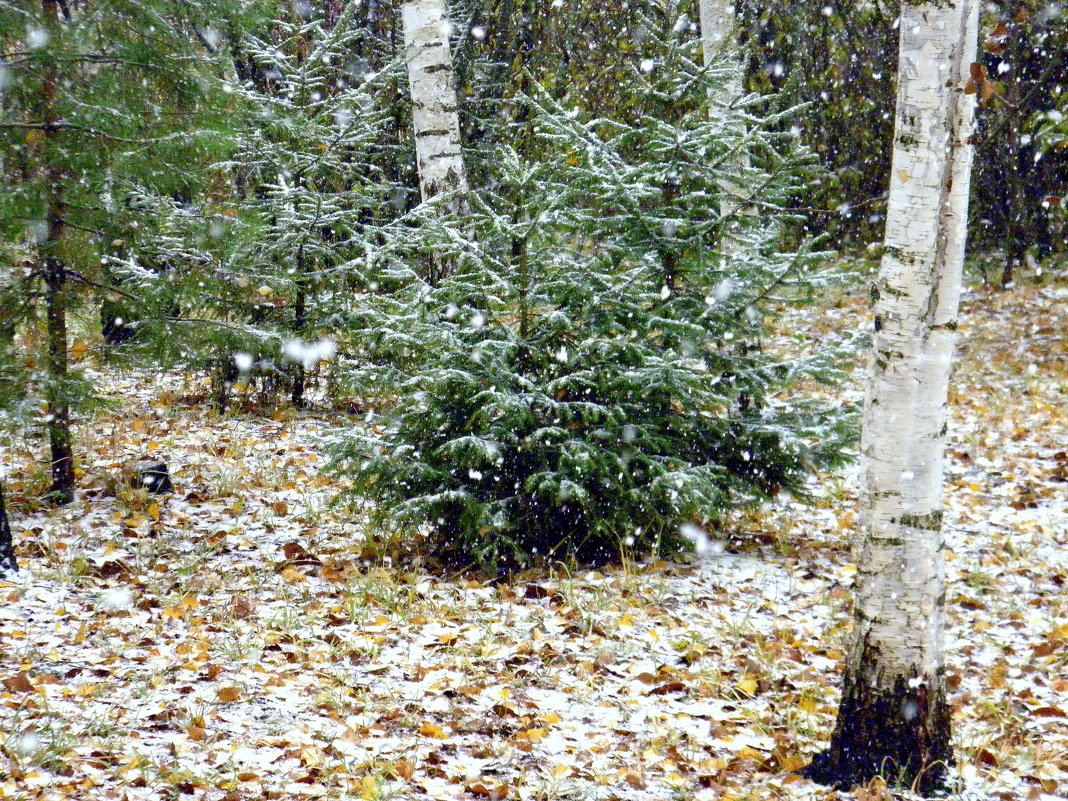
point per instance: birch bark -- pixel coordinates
(893, 719)
(434, 108)
(717, 29)
(719, 45)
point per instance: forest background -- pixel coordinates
(185, 202)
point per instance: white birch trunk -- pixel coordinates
(917, 293)
(434, 112)
(719, 44)
(894, 714)
(717, 28)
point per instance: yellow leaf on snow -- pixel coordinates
(228, 694)
(293, 575)
(432, 730)
(369, 788)
(747, 685)
(530, 735)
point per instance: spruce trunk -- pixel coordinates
(893, 720)
(299, 321)
(435, 116)
(55, 275)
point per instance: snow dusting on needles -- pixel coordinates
(211, 36)
(703, 545)
(309, 353)
(36, 37)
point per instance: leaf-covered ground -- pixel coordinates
(233, 641)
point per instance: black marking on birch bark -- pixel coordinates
(932, 521)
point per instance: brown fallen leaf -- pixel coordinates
(19, 683)
(1050, 712)
(482, 790)
(404, 769)
(241, 606)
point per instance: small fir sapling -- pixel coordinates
(593, 376)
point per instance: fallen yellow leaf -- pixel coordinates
(293, 575)
(432, 730)
(747, 685)
(228, 694)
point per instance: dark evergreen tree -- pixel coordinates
(92, 94)
(596, 374)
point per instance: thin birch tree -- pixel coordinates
(718, 26)
(435, 116)
(719, 45)
(894, 719)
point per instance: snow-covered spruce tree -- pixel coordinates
(595, 374)
(260, 272)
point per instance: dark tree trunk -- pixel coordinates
(58, 402)
(896, 727)
(7, 544)
(299, 321)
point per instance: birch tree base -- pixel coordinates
(896, 728)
